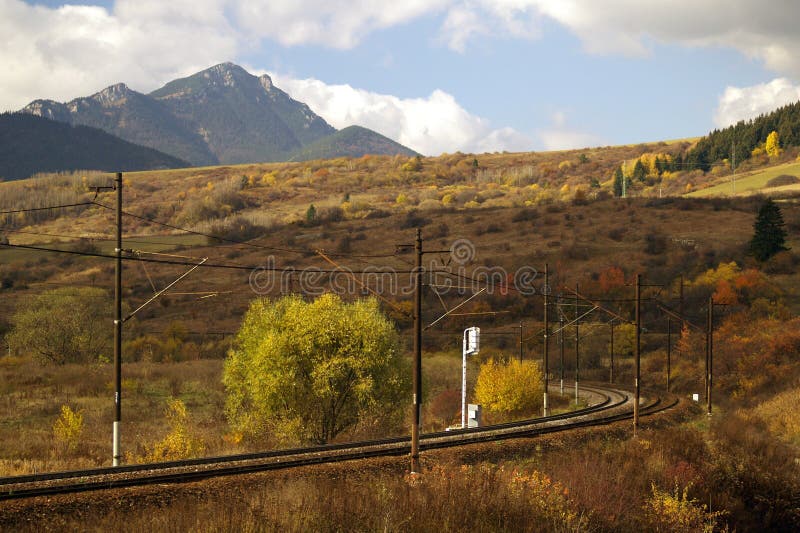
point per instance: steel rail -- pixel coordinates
(29, 486)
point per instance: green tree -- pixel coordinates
(773, 144)
(311, 214)
(618, 177)
(65, 325)
(513, 388)
(769, 237)
(639, 172)
(306, 371)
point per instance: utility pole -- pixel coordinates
(638, 319)
(624, 181)
(546, 340)
(117, 326)
(709, 352)
(680, 298)
(611, 373)
(669, 349)
(520, 342)
(577, 346)
(417, 379)
(733, 166)
(561, 345)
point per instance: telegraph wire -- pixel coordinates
(235, 242)
(32, 209)
(297, 270)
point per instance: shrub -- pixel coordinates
(179, 443)
(675, 511)
(68, 428)
(783, 179)
(655, 244)
(509, 389)
(234, 229)
(525, 214)
(414, 220)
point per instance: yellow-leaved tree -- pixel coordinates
(304, 371)
(773, 144)
(509, 389)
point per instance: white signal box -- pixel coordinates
(472, 341)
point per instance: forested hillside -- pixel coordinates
(747, 139)
(31, 144)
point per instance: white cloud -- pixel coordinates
(560, 136)
(336, 23)
(72, 50)
(430, 125)
(743, 103)
(757, 29)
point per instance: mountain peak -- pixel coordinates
(113, 94)
(225, 74)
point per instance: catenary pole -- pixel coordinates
(417, 379)
(118, 326)
(637, 353)
(546, 340)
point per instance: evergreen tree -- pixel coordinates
(618, 182)
(769, 237)
(639, 172)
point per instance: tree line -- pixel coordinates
(746, 138)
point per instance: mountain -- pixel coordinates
(220, 115)
(132, 116)
(242, 118)
(31, 144)
(352, 141)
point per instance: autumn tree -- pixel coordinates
(64, 325)
(307, 371)
(769, 237)
(773, 144)
(513, 388)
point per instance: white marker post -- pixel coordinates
(471, 346)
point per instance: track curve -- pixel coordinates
(607, 406)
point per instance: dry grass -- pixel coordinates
(32, 397)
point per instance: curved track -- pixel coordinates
(607, 406)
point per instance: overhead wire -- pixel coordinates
(32, 209)
(205, 265)
(301, 251)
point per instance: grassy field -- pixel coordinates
(753, 182)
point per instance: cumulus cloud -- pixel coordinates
(335, 23)
(560, 136)
(743, 103)
(430, 125)
(627, 26)
(69, 51)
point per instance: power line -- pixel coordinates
(291, 270)
(32, 209)
(243, 243)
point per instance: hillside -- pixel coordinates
(31, 145)
(747, 139)
(353, 141)
(220, 115)
(264, 229)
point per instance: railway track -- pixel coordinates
(606, 406)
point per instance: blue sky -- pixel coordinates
(437, 75)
